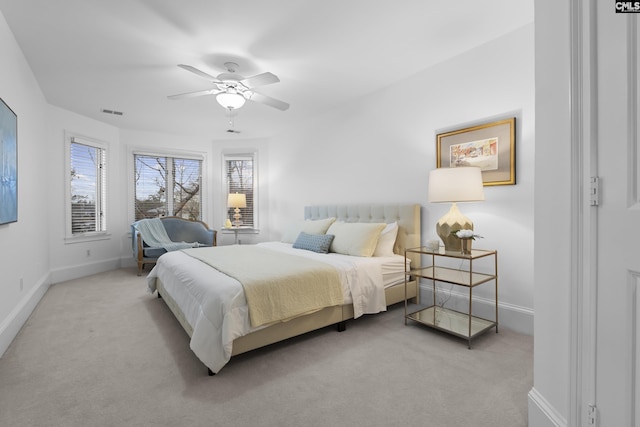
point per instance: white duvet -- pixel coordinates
(214, 303)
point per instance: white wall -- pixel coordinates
(550, 398)
(24, 254)
(377, 149)
(382, 147)
(69, 258)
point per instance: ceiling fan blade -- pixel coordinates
(194, 94)
(195, 71)
(260, 80)
(266, 100)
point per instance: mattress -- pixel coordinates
(214, 304)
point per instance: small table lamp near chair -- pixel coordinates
(237, 201)
(453, 185)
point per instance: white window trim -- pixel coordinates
(242, 154)
(183, 154)
(69, 237)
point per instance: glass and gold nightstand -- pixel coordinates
(460, 271)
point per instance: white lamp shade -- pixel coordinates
(461, 184)
(231, 101)
(237, 200)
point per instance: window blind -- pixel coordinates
(240, 179)
(88, 187)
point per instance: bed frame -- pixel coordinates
(408, 218)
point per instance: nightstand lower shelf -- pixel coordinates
(452, 322)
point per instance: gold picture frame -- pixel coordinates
(490, 146)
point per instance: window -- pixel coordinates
(240, 178)
(87, 196)
(167, 186)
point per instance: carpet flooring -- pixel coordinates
(101, 351)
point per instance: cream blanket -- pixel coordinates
(277, 286)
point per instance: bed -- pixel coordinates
(221, 324)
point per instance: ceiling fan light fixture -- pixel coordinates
(232, 90)
(230, 101)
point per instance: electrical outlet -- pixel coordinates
(21, 284)
(88, 252)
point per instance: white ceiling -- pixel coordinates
(122, 55)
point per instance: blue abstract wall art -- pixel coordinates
(8, 164)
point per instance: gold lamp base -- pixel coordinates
(451, 222)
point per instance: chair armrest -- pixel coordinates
(140, 250)
(134, 241)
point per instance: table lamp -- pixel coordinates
(237, 201)
(453, 185)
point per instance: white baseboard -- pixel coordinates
(514, 317)
(128, 262)
(541, 413)
(12, 324)
(87, 269)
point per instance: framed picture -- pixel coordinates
(8, 164)
(489, 146)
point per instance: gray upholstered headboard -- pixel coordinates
(407, 216)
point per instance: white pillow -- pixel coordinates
(355, 238)
(310, 227)
(387, 240)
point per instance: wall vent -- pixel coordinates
(114, 112)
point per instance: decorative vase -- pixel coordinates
(447, 226)
(465, 246)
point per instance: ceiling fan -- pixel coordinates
(232, 90)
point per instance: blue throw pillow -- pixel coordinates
(314, 242)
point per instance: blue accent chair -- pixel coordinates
(179, 230)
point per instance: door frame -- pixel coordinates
(584, 149)
(583, 286)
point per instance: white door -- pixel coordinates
(617, 362)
